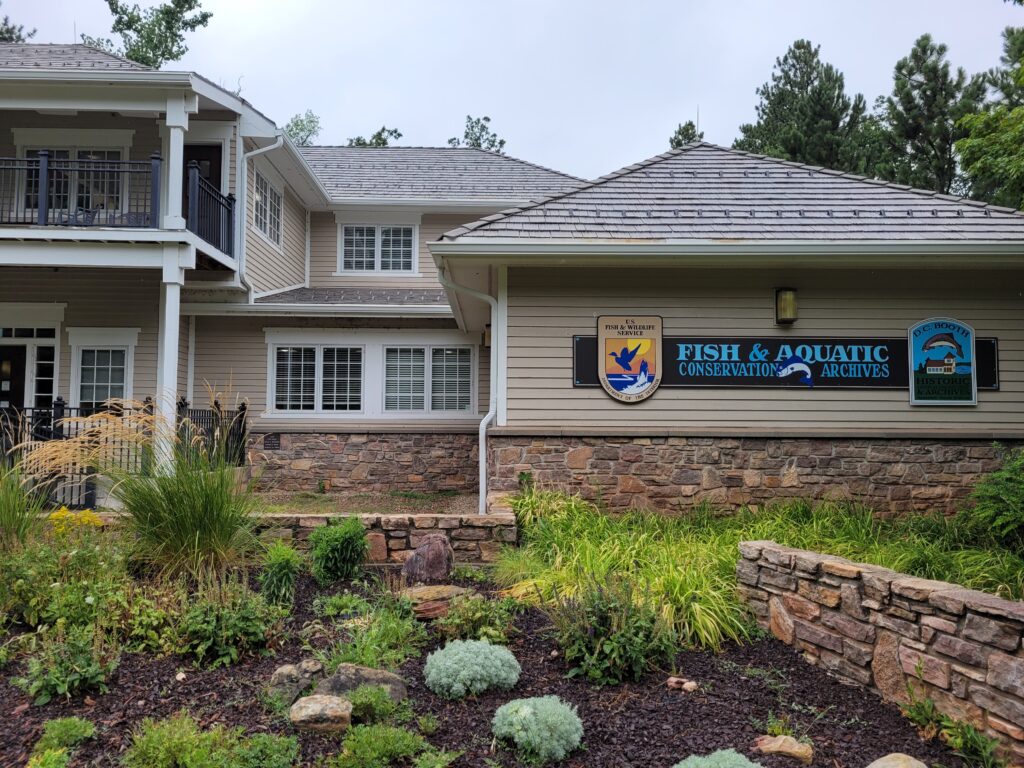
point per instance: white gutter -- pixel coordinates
(244, 207)
(228, 309)
(492, 407)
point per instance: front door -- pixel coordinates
(12, 378)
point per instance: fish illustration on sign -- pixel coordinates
(943, 340)
(795, 364)
(630, 365)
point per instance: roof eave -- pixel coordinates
(226, 309)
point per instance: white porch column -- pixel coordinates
(167, 352)
(174, 163)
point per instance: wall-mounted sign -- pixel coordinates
(630, 364)
(272, 441)
(943, 363)
(852, 363)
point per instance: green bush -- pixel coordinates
(338, 550)
(543, 729)
(264, 750)
(281, 566)
(372, 704)
(999, 502)
(471, 617)
(468, 667)
(68, 660)
(723, 758)
(51, 758)
(342, 606)
(64, 733)
(387, 637)
(378, 746)
(20, 508)
(219, 627)
(608, 634)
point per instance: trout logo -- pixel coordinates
(629, 364)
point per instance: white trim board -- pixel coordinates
(59, 138)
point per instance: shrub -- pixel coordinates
(281, 566)
(999, 501)
(608, 634)
(51, 758)
(723, 758)
(471, 617)
(432, 759)
(221, 626)
(337, 550)
(343, 606)
(544, 728)
(264, 750)
(20, 509)
(64, 734)
(469, 667)
(378, 746)
(68, 661)
(372, 704)
(383, 639)
(147, 619)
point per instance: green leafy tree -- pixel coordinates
(686, 133)
(302, 129)
(805, 114)
(152, 36)
(1004, 79)
(14, 33)
(923, 116)
(381, 138)
(478, 135)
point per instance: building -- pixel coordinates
(944, 366)
(385, 312)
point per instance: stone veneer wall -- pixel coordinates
(374, 462)
(670, 473)
(876, 627)
(474, 538)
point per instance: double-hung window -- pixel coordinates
(428, 378)
(318, 378)
(378, 248)
(267, 208)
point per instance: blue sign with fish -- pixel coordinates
(943, 368)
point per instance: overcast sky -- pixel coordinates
(584, 86)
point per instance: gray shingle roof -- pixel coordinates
(343, 296)
(706, 192)
(432, 173)
(58, 56)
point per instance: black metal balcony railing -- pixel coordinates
(211, 215)
(73, 192)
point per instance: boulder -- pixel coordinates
(290, 680)
(429, 611)
(786, 746)
(897, 760)
(434, 593)
(321, 714)
(431, 562)
(348, 677)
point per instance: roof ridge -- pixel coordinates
(624, 171)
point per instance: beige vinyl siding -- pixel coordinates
(95, 298)
(323, 253)
(270, 267)
(231, 361)
(546, 307)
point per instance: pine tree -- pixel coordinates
(922, 115)
(14, 33)
(686, 133)
(1004, 78)
(805, 114)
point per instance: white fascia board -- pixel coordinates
(320, 195)
(124, 254)
(138, 78)
(317, 310)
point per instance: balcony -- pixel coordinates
(107, 193)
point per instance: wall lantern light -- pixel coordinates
(785, 306)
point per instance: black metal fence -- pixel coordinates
(56, 189)
(215, 431)
(211, 215)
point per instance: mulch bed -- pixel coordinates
(637, 724)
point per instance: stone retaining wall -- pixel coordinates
(879, 628)
(475, 538)
(368, 462)
(671, 473)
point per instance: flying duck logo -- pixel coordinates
(629, 364)
(795, 364)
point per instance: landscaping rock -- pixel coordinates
(348, 677)
(435, 609)
(786, 746)
(897, 760)
(321, 714)
(434, 593)
(431, 563)
(290, 680)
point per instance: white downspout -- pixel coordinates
(244, 198)
(492, 407)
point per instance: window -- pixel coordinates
(267, 209)
(318, 378)
(404, 376)
(295, 378)
(451, 379)
(377, 248)
(86, 179)
(102, 376)
(342, 378)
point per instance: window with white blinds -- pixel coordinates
(451, 378)
(405, 370)
(378, 248)
(318, 378)
(342, 379)
(295, 379)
